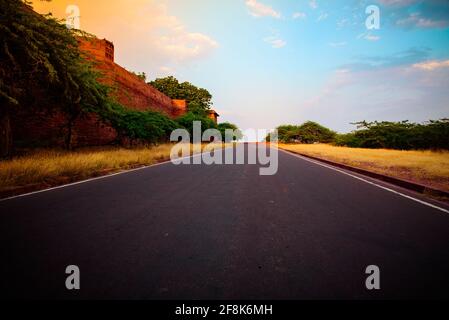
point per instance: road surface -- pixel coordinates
(224, 232)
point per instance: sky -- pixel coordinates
(273, 62)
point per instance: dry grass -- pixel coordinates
(430, 168)
(43, 168)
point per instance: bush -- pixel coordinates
(398, 135)
(309, 132)
(347, 140)
(186, 121)
(312, 132)
(148, 126)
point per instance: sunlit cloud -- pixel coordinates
(276, 43)
(144, 33)
(432, 65)
(257, 9)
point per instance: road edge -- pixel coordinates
(409, 185)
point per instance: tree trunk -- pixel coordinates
(68, 138)
(5, 134)
(72, 117)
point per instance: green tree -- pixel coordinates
(312, 132)
(199, 99)
(222, 127)
(41, 68)
(140, 126)
(187, 120)
(308, 132)
(141, 75)
(398, 135)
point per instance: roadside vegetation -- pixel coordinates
(43, 70)
(409, 151)
(39, 169)
(430, 168)
(46, 168)
(403, 135)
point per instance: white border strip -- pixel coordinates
(367, 181)
(97, 178)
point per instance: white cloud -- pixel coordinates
(275, 42)
(299, 15)
(313, 4)
(397, 3)
(415, 19)
(182, 45)
(338, 44)
(432, 65)
(257, 9)
(323, 16)
(368, 36)
(392, 94)
(371, 37)
(342, 23)
(146, 36)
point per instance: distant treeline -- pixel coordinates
(402, 135)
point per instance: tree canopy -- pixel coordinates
(222, 127)
(41, 67)
(398, 135)
(308, 132)
(403, 135)
(199, 99)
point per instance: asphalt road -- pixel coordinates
(223, 232)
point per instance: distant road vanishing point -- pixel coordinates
(225, 232)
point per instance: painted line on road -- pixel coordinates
(94, 179)
(369, 182)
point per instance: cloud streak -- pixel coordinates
(429, 14)
(432, 65)
(257, 9)
(299, 15)
(275, 42)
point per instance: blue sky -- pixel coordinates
(272, 62)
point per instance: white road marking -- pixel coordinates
(94, 179)
(196, 155)
(369, 182)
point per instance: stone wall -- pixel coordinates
(130, 90)
(50, 129)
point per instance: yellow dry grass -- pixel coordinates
(426, 167)
(54, 167)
